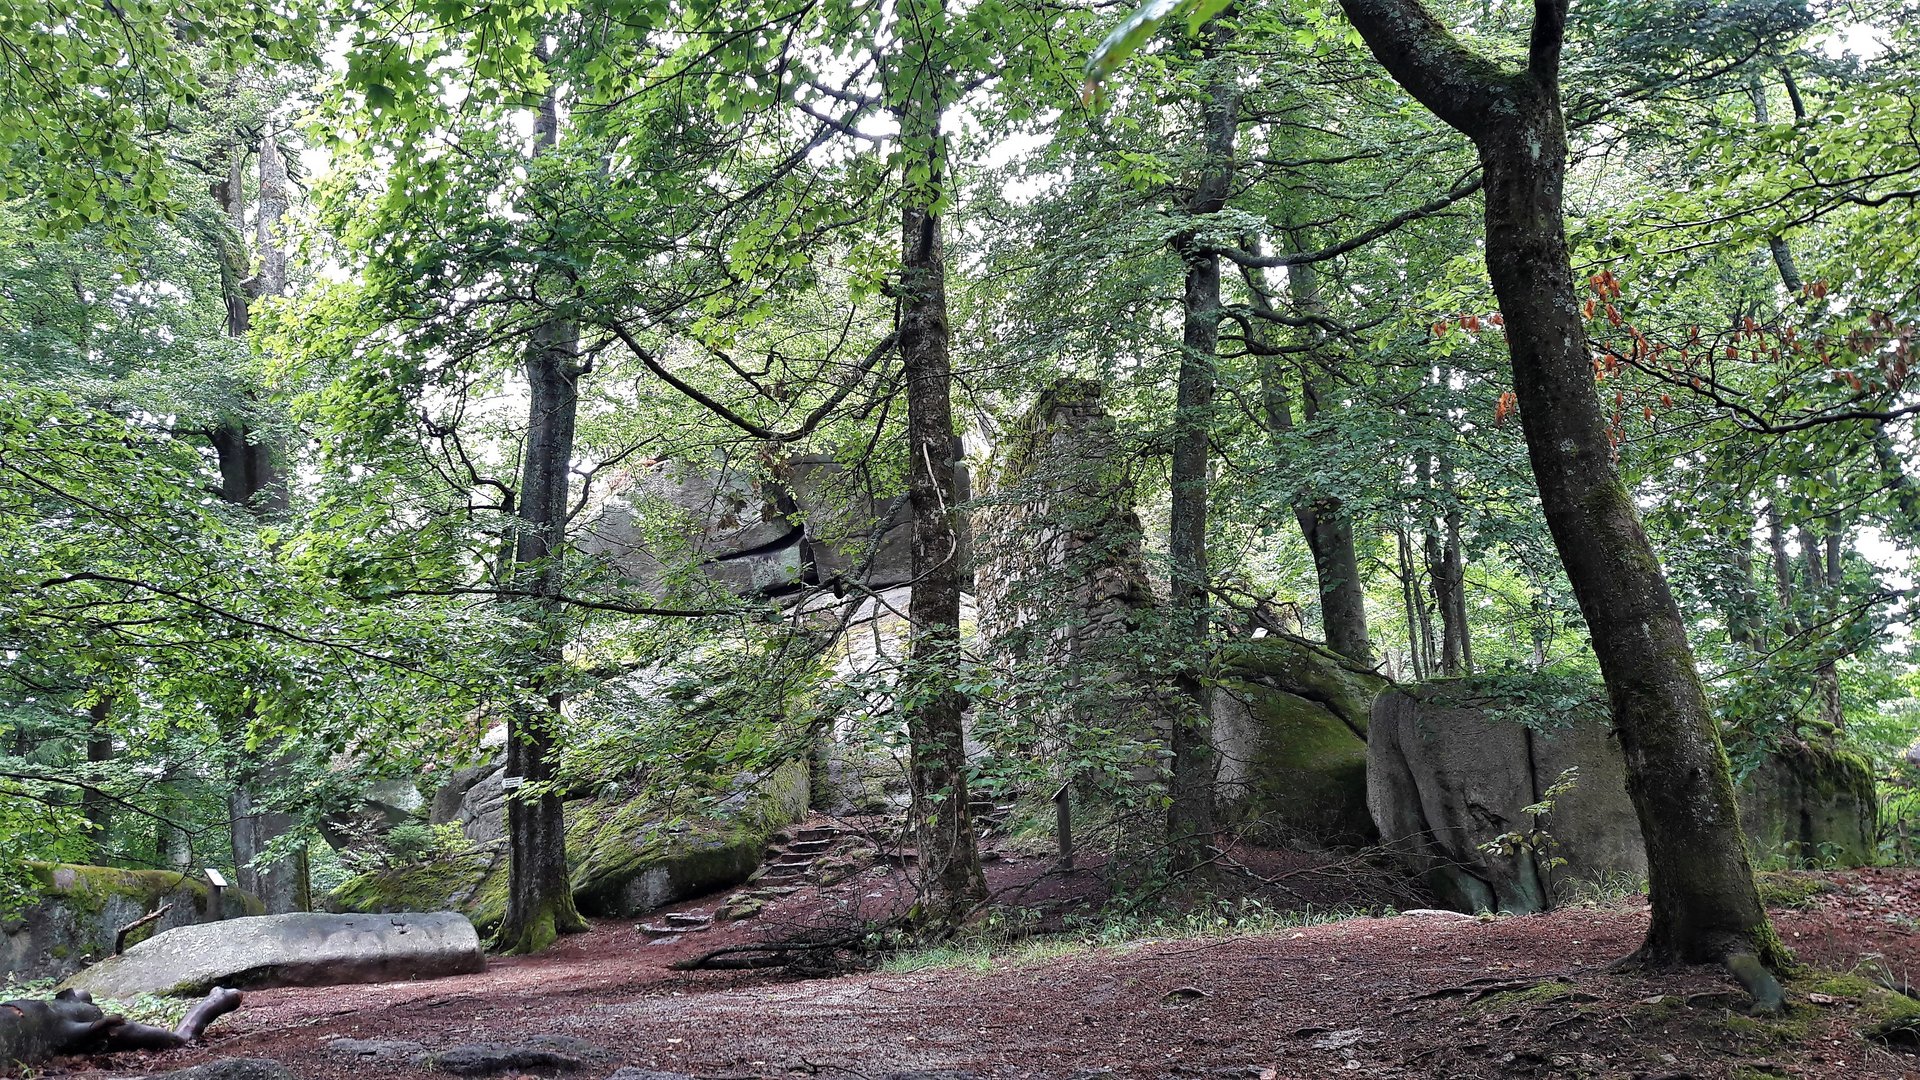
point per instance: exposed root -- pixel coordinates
(1760, 984)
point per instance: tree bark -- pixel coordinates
(539, 896)
(251, 477)
(1409, 594)
(93, 802)
(1704, 903)
(1190, 738)
(1324, 523)
(1447, 569)
(949, 857)
(1822, 556)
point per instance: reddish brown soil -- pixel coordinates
(1406, 996)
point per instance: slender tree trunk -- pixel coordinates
(1776, 245)
(1325, 523)
(93, 804)
(1409, 592)
(1190, 740)
(1701, 888)
(949, 857)
(1448, 573)
(1822, 557)
(539, 896)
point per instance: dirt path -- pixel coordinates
(1408, 996)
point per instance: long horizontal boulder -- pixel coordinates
(301, 949)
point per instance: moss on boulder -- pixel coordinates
(625, 856)
(1290, 719)
(1810, 803)
(79, 910)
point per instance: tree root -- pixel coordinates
(1759, 982)
(71, 1023)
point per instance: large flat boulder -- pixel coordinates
(301, 949)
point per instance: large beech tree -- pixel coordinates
(1705, 905)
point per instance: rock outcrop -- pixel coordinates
(1450, 769)
(1290, 724)
(301, 949)
(1064, 591)
(79, 910)
(626, 856)
(752, 530)
(1811, 803)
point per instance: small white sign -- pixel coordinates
(214, 879)
(510, 782)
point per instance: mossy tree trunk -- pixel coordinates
(949, 858)
(539, 896)
(1705, 906)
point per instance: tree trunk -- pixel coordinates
(1190, 739)
(1822, 557)
(93, 803)
(1324, 523)
(251, 476)
(1409, 596)
(1705, 906)
(949, 856)
(539, 896)
(1447, 568)
(1704, 903)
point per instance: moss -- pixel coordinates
(1789, 1027)
(438, 885)
(1785, 889)
(1882, 1014)
(1544, 993)
(87, 889)
(610, 845)
(1311, 672)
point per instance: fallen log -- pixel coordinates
(70, 1023)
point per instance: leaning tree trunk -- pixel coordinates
(1325, 522)
(539, 895)
(949, 856)
(1190, 740)
(1705, 905)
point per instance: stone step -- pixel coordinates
(809, 847)
(657, 930)
(689, 919)
(818, 832)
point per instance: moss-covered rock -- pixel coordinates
(1290, 720)
(80, 909)
(625, 856)
(1810, 804)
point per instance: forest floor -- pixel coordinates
(1401, 996)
